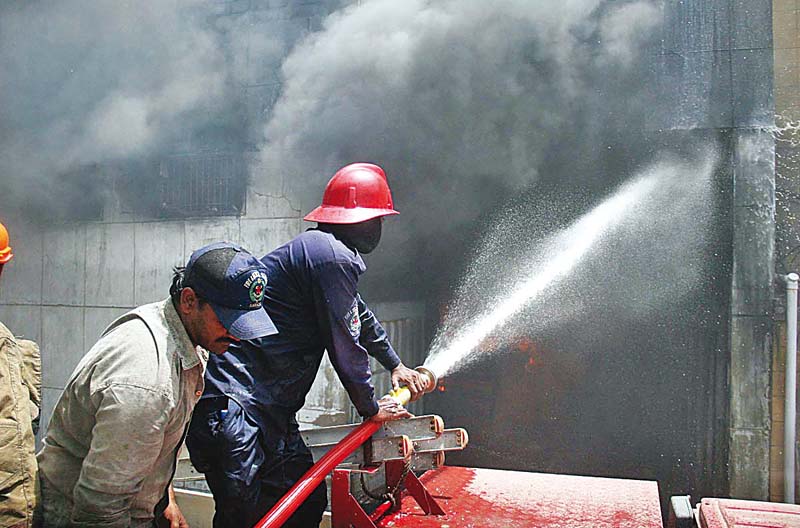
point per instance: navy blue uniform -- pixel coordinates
(244, 436)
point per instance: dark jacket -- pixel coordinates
(312, 299)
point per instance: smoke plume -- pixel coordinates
(465, 103)
(87, 85)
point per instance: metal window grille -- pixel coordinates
(202, 185)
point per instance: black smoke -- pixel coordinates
(466, 104)
(93, 94)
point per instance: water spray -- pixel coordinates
(569, 249)
(638, 210)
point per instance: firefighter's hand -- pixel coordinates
(389, 409)
(404, 376)
(173, 514)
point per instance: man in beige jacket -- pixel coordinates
(20, 398)
(112, 442)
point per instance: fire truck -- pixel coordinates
(393, 474)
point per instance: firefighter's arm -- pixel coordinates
(374, 338)
(376, 341)
(338, 317)
(351, 362)
(126, 440)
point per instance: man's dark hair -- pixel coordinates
(178, 284)
(178, 276)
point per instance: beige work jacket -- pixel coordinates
(20, 387)
(111, 445)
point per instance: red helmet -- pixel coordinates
(5, 250)
(357, 192)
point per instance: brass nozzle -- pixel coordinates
(432, 379)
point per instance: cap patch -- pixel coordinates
(353, 321)
(255, 284)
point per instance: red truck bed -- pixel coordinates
(489, 497)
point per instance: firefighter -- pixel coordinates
(112, 442)
(244, 435)
(20, 399)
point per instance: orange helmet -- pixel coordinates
(357, 192)
(5, 250)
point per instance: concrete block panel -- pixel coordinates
(785, 29)
(265, 181)
(787, 67)
(262, 236)
(159, 248)
(751, 302)
(109, 264)
(22, 277)
(781, 6)
(697, 25)
(754, 169)
(753, 245)
(265, 205)
(198, 233)
(96, 320)
(753, 103)
(62, 343)
(749, 464)
(49, 399)
(694, 91)
(64, 259)
(750, 372)
(787, 105)
(23, 320)
(750, 24)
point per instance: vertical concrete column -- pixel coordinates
(751, 300)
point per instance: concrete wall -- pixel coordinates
(785, 20)
(751, 306)
(67, 283)
(717, 63)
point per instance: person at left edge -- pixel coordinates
(111, 446)
(20, 398)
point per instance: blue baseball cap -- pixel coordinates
(233, 281)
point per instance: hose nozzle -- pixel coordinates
(403, 395)
(432, 379)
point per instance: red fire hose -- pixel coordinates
(285, 507)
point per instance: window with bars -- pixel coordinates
(208, 184)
